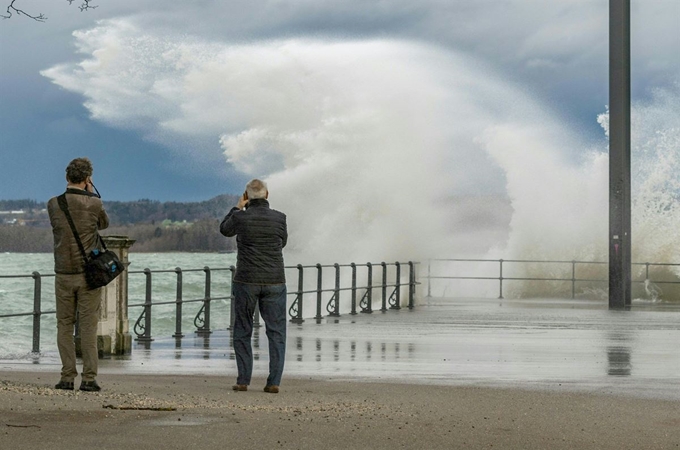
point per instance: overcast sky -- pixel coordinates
(186, 100)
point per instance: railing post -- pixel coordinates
(204, 329)
(147, 305)
(369, 291)
(37, 294)
(383, 308)
(429, 281)
(336, 292)
(295, 310)
(501, 279)
(354, 289)
(397, 292)
(146, 314)
(178, 305)
(647, 271)
(301, 288)
(319, 288)
(232, 303)
(411, 284)
(573, 279)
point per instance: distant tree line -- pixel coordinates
(15, 205)
(200, 236)
(142, 211)
(150, 211)
(156, 226)
(25, 239)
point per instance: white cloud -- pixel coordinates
(361, 139)
(350, 133)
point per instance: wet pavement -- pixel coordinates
(544, 344)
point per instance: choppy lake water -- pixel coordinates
(16, 295)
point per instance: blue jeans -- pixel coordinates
(272, 303)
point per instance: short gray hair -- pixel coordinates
(256, 189)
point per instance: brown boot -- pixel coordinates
(240, 387)
(272, 389)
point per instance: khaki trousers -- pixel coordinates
(73, 295)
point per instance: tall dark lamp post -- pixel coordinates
(619, 155)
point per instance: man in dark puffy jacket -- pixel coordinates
(70, 288)
(261, 234)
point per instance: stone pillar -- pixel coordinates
(113, 331)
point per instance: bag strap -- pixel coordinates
(63, 204)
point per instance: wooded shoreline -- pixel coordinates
(156, 226)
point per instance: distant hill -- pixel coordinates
(137, 211)
(150, 211)
(15, 205)
(156, 226)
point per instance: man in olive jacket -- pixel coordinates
(71, 290)
(261, 235)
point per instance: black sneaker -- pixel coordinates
(90, 386)
(65, 385)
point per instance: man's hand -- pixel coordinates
(242, 202)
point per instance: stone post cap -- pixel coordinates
(118, 241)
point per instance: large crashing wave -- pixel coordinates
(561, 211)
(364, 143)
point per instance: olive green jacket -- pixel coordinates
(88, 216)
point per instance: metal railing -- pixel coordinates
(365, 303)
(202, 319)
(37, 308)
(142, 327)
(573, 279)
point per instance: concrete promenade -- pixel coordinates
(540, 374)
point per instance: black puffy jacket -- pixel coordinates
(261, 234)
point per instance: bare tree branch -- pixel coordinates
(84, 6)
(12, 9)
